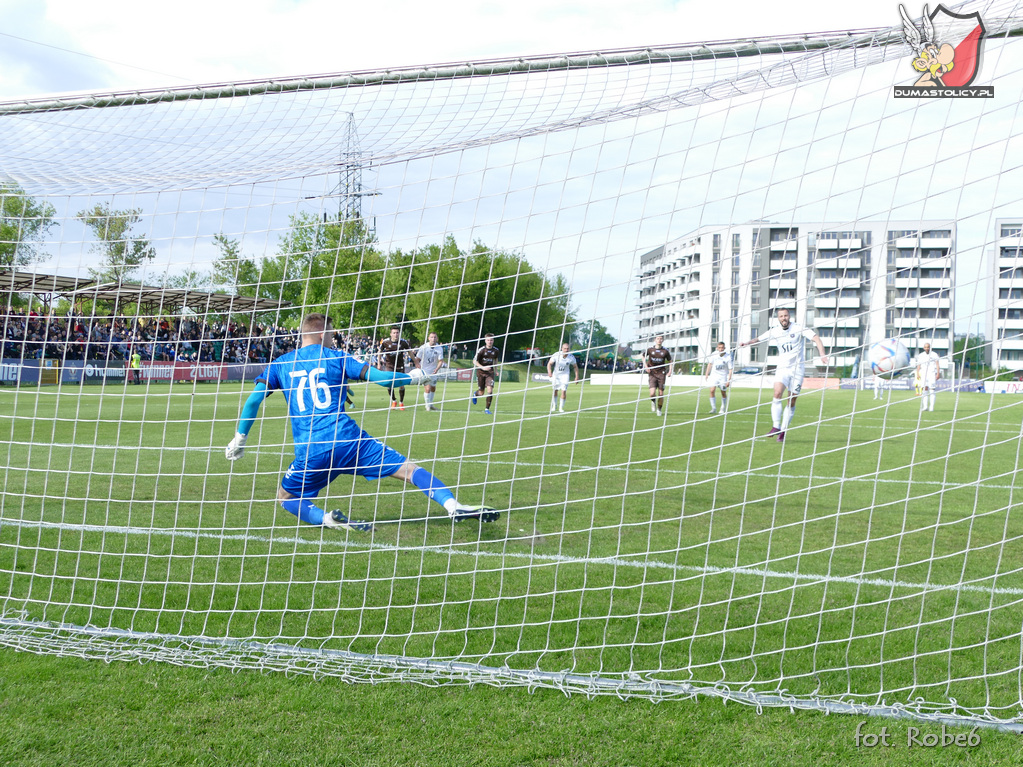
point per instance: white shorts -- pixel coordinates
(719, 381)
(928, 383)
(560, 383)
(791, 378)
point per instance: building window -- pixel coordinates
(1011, 230)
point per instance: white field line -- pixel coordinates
(569, 468)
(756, 572)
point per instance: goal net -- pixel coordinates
(158, 249)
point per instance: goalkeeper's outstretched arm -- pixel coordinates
(250, 410)
(414, 377)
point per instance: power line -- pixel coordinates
(90, 56)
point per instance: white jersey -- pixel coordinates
(562, 364)
(720, 365)
(927, 364)
(431, 358)
(791, 343)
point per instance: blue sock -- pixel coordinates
(434, 489)
(304, 509)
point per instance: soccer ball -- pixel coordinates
(888, 358)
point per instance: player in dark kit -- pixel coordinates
(487, 358)
(314, 380)
(657, 365)
(392, 360)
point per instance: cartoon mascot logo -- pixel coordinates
(947, 48)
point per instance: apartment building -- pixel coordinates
(854, 285)
(1005, 313)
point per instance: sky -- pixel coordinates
(59, 47)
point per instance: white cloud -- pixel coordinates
(128, 45)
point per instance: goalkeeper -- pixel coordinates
(314, 381)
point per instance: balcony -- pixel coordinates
(1009, 324)
(783, 264)
(927, 303)
(831, 283)
(936, 242)
(781, 246)
(844, 302)
(907, 243)
(841, 342)
(920, 323)
(781, 283)
(1009, 343)
(842, 360)
(837, 322)
(935, 283)
(686, 323)
(912, 262)
(841, 263)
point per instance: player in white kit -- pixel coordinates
(790, 338)
(929, 371)
(430, 359)
(558, 367)
(718, 374)
(878, 387)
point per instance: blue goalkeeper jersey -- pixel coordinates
(314, 381)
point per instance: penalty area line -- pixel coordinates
(532, 557)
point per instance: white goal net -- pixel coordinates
(858, 550)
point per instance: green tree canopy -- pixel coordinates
(24, 223)
(233, 272)
(336, 267)
(596, 338)
(330, 266)
(462, 295)
(123, 253)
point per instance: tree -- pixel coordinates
(231, 270)
(968, 354)
(593, 336)
(24, 223)
(123, 253)
(327, 266)
(464, 295)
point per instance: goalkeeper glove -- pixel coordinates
(236, 447)
(419, 378)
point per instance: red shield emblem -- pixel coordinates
(963, 33)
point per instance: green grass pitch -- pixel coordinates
(874, 556)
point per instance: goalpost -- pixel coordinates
(870, 563)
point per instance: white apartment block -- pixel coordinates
(1005, 315)
(854, 286)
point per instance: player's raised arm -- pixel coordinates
(250, 410)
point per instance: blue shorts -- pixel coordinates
(364, 456)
